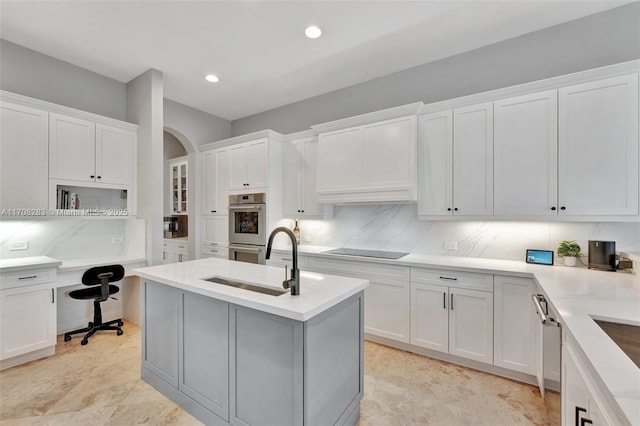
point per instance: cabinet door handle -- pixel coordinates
(578, 411)
(451, 301)
(99, 177)
(455, 209)
(92, 176)
(448, 209)
(30, 277)
(444, 300)
(449, 278)
(53, 295)
(585, 420)
(563, 208)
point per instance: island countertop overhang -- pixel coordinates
(319, 292)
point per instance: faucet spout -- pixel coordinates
(294, 282)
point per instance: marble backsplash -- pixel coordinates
(69, 239)
(397, 228)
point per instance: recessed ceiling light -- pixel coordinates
(212, 78)
(313, 32)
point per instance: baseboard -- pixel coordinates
(28, 357)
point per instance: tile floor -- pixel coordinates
(99, 384)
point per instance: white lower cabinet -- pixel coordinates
(580, 403)
(386, 300)
(386, 308)
(27, 314)
(175, 251)
(215, 230)
(456, 318)
(514, 318)
(217, 251)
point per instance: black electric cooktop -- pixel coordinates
(367, 253)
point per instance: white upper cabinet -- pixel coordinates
(178, 186)
(72, 148)
(215, 173)
(248, 165)
(525, 155)
(81, 150)
(299, 186)
(115, 155)
(598, 147)
(435, 164)
(456, 162)
(369, 158)
(24, 158)
(473, 160)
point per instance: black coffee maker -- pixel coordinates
(602, 255)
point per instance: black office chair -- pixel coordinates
(99, 275)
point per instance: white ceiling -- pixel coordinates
(258, 48)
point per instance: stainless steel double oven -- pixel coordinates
(247, 227)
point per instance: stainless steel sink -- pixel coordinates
(626, 336)
(246, 286)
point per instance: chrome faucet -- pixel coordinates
(294, 281)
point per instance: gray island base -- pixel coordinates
(229, 364)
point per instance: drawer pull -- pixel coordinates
(286, 258)
(578, 411)
(53, 295)
(451, 301)
(449, 278)
(444, 300)
(28, 278)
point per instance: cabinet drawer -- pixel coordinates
(281, 259)
(27, 277)
(361, 269)
(215, 251)
(470, 280)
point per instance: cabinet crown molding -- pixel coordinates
(368, 118)
(16, 98)
(304, 134)
(268, 133)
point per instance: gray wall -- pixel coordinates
(39, 76)
(196, 126)
(603, 39)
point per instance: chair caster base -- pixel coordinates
(67, 337)
(119, 332)
(84, 342)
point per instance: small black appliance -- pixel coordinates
(602, 255)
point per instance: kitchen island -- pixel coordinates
(231, 355)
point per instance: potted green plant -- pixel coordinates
(569, 251)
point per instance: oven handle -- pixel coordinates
(538, 300)
(246, 249)
(245, 207)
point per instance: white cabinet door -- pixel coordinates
(257, 158)
(515, 324)
(24, 157)
(339, 160)
(72, 148)
(237, 167)
(435, 164)
(178, 187)
(215, 229)
(473, 160)
(471, 324)
(300, 168)
(27, 319)
(598, 147)
(386, 307)
(292, 178)
(430, 316)
(215, 175)
(115, 155)
(525, 155)
(389, 154)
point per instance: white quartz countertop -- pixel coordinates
(579, 295)
(82, 264)
(318, 292)
(23, 263)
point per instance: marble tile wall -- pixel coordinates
(397, 228)
(67, 239)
